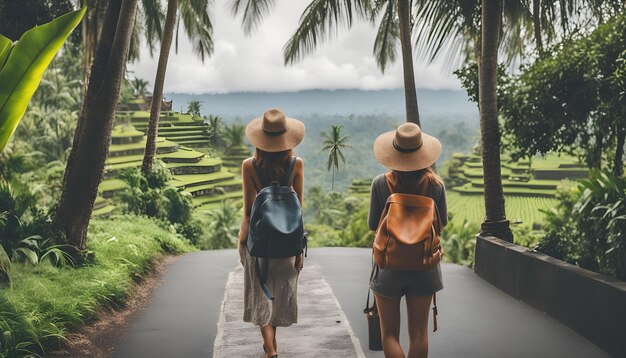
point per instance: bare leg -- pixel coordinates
(389, 312)
(268, 340)
(275, 344)
(418, 308)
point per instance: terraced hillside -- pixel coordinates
(179, 148)
(538, 177)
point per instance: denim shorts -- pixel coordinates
(397, 283)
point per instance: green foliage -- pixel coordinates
(335, 143)
(150, 195)
(193, 107)
(588, 227)
(468, 75)
(572, 95)
(336, 219)
(23, 65)
(459, 240)
(234, 134)
(140, 87)
(223, 227)
(214, 131)
(46, 302)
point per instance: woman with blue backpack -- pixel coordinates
(407, 211)
(271, 240)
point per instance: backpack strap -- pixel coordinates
(435, 312)
(289, 172)
(262, 275)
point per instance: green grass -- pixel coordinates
(199, 179)
(204, 162)
(45, 302)
(472, 208)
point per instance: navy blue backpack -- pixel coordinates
(276, 228)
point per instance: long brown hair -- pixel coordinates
(415, 181)
(272, 165)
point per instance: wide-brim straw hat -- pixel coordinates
(274, 132)
(407, 149)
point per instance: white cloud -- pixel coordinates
(255, 62)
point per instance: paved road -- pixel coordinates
(475, 318)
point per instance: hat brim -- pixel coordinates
(289, 139)
(390, 157)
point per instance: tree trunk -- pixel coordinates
(495, 222)
(618, 160)
(410, 93)
(159, 82)
(332, 185)
(537, 25)
(93, 132)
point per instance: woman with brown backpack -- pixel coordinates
(407, 211)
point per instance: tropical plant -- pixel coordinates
(223, 227)
(588, 227)
(234, 134)
(140, 87)
(459, 240)
(193, 107)
(149, 194)
(92, 137)
(23, 65)
(214, 130)
(197, 23)
(335, 143)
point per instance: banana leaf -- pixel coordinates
(22, 65)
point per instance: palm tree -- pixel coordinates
(324, 16)
(140, 87)
(215, 129)
(197, 23)
(150, 12)
(193, 107)
(224, 226)
(495, 222)
(334, 143)
(93, 131)
(234, 134)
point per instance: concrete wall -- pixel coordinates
(593, 305)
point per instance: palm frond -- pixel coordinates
(387, 37)
(319, 21)
(197, 23)
(153, 17)
(253, 12)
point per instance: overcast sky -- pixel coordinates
(255, 62)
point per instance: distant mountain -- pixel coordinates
(246, 105)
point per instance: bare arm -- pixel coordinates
(249, 192)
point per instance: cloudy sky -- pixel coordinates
(255, 62)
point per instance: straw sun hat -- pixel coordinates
(407, 148)
(274, 132)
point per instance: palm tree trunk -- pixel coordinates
(332, 185)
(159, 82)
(93, 133)
(495, 220)
(410, 93)
(537, 25)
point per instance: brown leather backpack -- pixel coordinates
(407, 237)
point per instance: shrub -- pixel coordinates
(588, 227)
(459, 241)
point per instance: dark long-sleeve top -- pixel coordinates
(380, 193)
